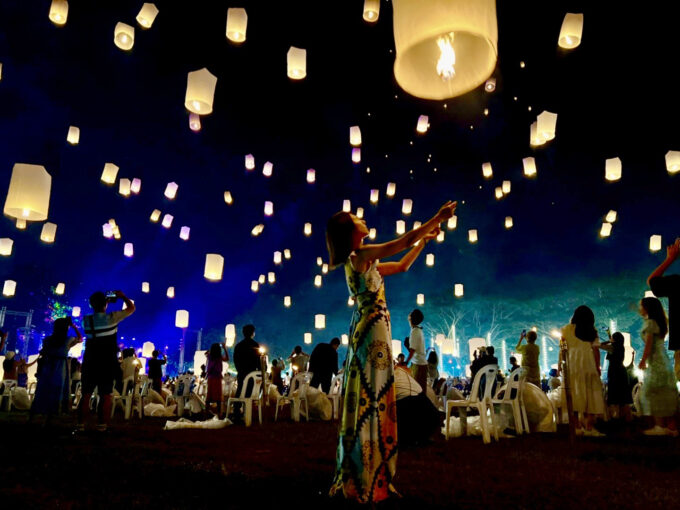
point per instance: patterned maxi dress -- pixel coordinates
(367, 447)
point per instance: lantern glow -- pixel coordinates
(214, 265)
(200, 92)
(124, 36)
(297, 63)
(237, 24)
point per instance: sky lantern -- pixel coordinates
(271, 277)
(429, 259)
(237, 23)
(124, 36)
(371, 10)
(423, 124)
(286, 254)
(318, 280)
(250, 162)
(194, 122)
(529, 165)
(268, 208)
(440, 236)
(262, 279)
(254, 285)
(360, 212)
(611, 216)
(170, 292)
(508, 222)
(60, 289)
(297, 63)
(75, 311)
(73, 135)
(612, 169)
(458, 290)
(355, 136)
(167, 220)
(344, 339)
(136, 185)
(374, 196)
(21, 224)
(308, 338)
(420, 299)
(448, 346)
(319, 261)
(200, 91)
(490, 85)
(356, 155)
(277, 257)
(184, 233)
(128, 250)
(171, 190)
(472, 235)
(487, 170)
(606, 229)
(124, 187)
(444, 48)
(182, 319)
(350, 301)
(311, 176)
(372, 233)
(147, 15)
(228, 199)
(308, 229)
(391, 189)
(673, 162)
(48, 233)
(507, 186)
(28, 197)
(214, 264)
(534, 138)
(346, 206)
(571, 31)
(286, 301)
(452, 222)
(546, 123)
(401, 227)
(324, 268)
(498, 192)
(320, 321)
(230, 334)
(655, 243)
(6, 246)
(147, 349)
(257, 230)
(407, 206)
(109, 173)
(9, 288)
(268, 169)
(58, 12)
(107, 230)
(145, 287)
(155, 215)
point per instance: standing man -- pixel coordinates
(323, 363)
(416, 350)
(100, 361)
(155, 371)
(246, 360)
(530, 353)
(669, 286)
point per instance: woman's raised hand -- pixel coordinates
(447, 210)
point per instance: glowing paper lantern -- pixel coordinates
(286, 254)
(268, 208)
(262, 279)
(407, 206)
(401, 227)
(268, 169)
(200, 92)
(498, 192)
(145, 287)
(124, 36)
(452, 222)
(508, 222)
(214, 264)
(545, 125)
(356, 155)
(128, 250)
(371, 10)
(311, 176)
(170, 292)
(355, 136)
(271, 277)
(655, 243)
(75, 311)
(391, 189)
(58, 12)
(472, 236)
(416, 224)
(344, 339)
(490, 85)
(318, 280)
(228, 199)
(529, 165)
(277, 257)
(73, 136)
(9, 288)
(673, 162)
(372, 233)
(182, 319)
(49, 231)
(28, 197)
(254, 285)
(286, 301)
(360, 212)
(319, 261)
(250, 162)
(458, 290)
(136, 185)
(184, 233)
(440, 236)
(171, 190)
(423, 124)
(611, 216)
(606, 229)
(346, 206)
(237, 23)
(21, 223)
(429, 259)
(350, 301)
(147, 349)
(448, 346)
(374, 197)
(324, 269)
(297, 63)
(534, 138)
(320, 321)
(6, 246)
(155, 215)
(147, 15)
(487, 171)
(107, 230)
(257, 230)
(507, 186)
(124, 187)
(308, 229)
(167, 220)
(420, 299)
(109, 174)
(308, 338)
(444, 48)
(612, 169)
(59, 289)
(571, 31)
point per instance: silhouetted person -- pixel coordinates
(155, 371)
(323, 363)
(246, 357)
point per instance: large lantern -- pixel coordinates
(124, 186)
(487, 170)
(401, 227)
(571, 31)
(346, 206)
(529, 165)
(320, 321)
(147, 15)
(391, 189)
(9, 288)
(611, 216)
(6, 246)
(546, 124)
(371, 10)
(655, 243)
(124, 36)
(237, 23)
(355, 136)
(48, 233)
(214, 264)
(445, 48)
(356, 155)
(167, 220)
(230, 334)
(73, 135)
(28, 197)
(182, 319)
(406, 206)
(109, 173)
(200, 91)
(297, 63)
(171, 190)
(612, 169)
(58, 12)
(673, 162)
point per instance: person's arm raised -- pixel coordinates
(390, 268)
(672, 253)
(128, 302)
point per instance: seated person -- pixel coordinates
(417, 417)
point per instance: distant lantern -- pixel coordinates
(311, 176)
(124, 187)
(416, 224)
(171, 190)
(49, 231)
(297, 63)
(58, 12)
(319, 261)
(73, 135)
(136, 185)
(228, 199)
(346, 206)
(324, 269)
(155, 215)
(28, 197)
(124, 36)
(237, 23)
(60, 289)
(534, 138)
(498, 192)
(320, 321)
(429, 259)
(167, 220)
(444, 48)
(182, 319)
(673, 162)
(268, 169)
(21, 223)
(487, 170)
(406, 206)
(344, 339)
(420, 299)
(308, 229)
(529, 165)
(509, 223)
(128, 250)
(110, 173)
(355, 136)
(372, 233)
(374, 196)
(612, 169)
(448, 346)
(360, 213)
(507, 186)
(6, 246)
(490, 85)
(571, 31)
(230, 334)
(350, 301)
(472, 236)
(277, 257)
(250, 162)
(271, 277)
(147, 349)
(184, 233)
(545, 125)
(391, 189)
(308, 338)
(170, 292)
(147, 15)
(423, 124)
(318, 280)
(254, 285)
(107, 230)
(9, 288)
(286, 254)
(195, 122)
(286, 301)
(200, 91)
(655, 243)
(452, 223)
(257, 230)
(145, 287)
(356, 155)
(458, 290)
(75, 311)
(440, 236)
(214, 264)
(371, 10)
(606, 229)
(268, 208)
(401, 227)
(611, 216)
(262, 279)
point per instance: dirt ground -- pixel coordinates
(139, 465)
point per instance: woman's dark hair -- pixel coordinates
(129, 352)
(432, 358)
(656, 313)
(59, 333)
(617, 338)
(584, 320)
(215, 351)
(417, 317)
(407, 342)
(339, 230)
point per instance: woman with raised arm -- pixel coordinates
(367, 446)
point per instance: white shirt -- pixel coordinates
(105, 324)
(405, 385)
(417, 343)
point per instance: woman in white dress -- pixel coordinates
(584, 372)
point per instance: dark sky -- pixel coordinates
(615, 97)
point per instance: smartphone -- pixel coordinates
(111, 296)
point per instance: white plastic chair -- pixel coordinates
(181, 393)
(77, 394)
(636, 399)
(124, 400)
(513, 398)
(9, 386)
(253, 397)
(482, 405)
(31, 390)
(229, 385)
(299, 384)
(141, 392)
(336, 394)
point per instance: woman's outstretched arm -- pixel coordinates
(390, 268)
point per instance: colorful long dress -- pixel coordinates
(658, 395)
(367, 447)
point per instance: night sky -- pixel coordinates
(614, 96)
